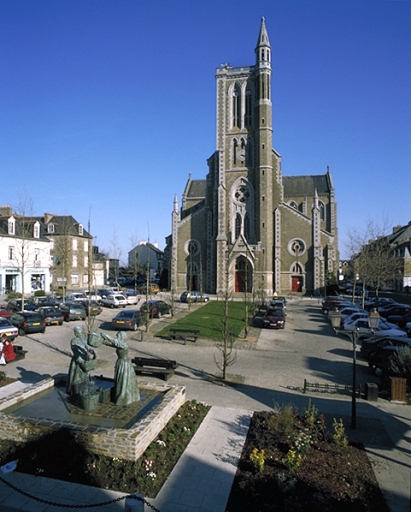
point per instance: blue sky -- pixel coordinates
(106, 106)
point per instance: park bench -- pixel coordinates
(184, 334)
(152, 366)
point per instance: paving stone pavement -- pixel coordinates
(201, 481)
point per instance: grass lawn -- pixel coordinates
(208, 319)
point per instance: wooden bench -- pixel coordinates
(153, 366)
(184, 334)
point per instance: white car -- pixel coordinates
(115, 301)
(7, 328)
(76, 296)
(132, 298)
(93, 296)
(385, 329)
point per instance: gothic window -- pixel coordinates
(248, 108)
(236, 106)
(242, 194)
(237, 225)
(235, 148)
(296, 247)
(321, 206)
(192, 247)
(297, 269)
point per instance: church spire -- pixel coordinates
(263, 48)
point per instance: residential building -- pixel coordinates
(146, 256)
(247, 226)
(25, 259)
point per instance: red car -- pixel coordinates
(274, 318)
(4, 311)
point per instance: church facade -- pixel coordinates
(246, 227)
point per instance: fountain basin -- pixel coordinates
(115, 431)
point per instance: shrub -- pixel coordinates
(339, 438)
(14, 295)
(39, 293)
(257, 457)
(400, 364)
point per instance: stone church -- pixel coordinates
(246, 226)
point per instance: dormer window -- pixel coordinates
(80, 229)
(36, 230)
(50, 228)
(11, 226)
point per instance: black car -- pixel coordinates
(397, 310)
(128, 319)
(52, 315)
(16, 305)
(375, 344)
(379, 361)
(157, 308)
(73, 311)
(28, 322)
(92, 307)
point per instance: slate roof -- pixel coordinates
(306, 185)
(197, 189)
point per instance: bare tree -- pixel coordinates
(372, 256)
(115, 254)
(228, 354)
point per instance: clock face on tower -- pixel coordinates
(241, 154)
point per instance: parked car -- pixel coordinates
(128, 319)
(105, 292)
(378, 302)
(52, 315)
(93, 296)
(331, 304)
(157, 308)
(44, 302)
(152, 288)
(361, 325)
(115, 301)
(379, 361)
(6, 327)
(16, 305)
(73, 311)
(277, 304)
(371, 345)
(5, 311)
(92, 307)
(28, 322)
(194, 296)
(397, 310)
(274, 318)
(132, 298)
(76, 296)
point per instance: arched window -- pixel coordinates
(237, 225)
(235, 148)
(293, 204)
(297, 268)
(236, 106)
(248, 108)
(321, 206)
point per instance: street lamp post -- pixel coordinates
(373, 322)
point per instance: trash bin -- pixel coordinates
(398, 389)
(371, 391)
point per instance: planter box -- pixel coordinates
(398, 389)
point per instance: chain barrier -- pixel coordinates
(54, 504)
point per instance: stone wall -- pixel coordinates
(127, 444)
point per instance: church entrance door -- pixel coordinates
(243, 275)
(296, 283)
